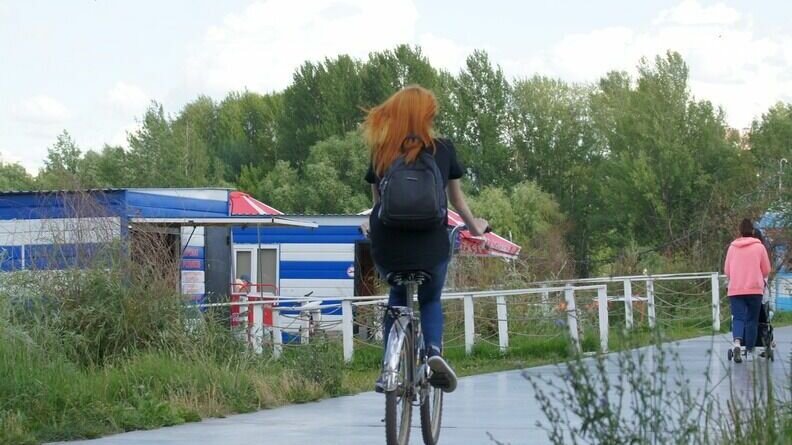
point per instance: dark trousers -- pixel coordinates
(428, 302)
(745, 318)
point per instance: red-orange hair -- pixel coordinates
(402, 125)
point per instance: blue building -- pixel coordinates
(62, 229)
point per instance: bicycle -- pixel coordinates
(406, 374)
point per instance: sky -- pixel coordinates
(93, 66)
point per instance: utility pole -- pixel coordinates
(781, 163)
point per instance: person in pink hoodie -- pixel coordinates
(747, 267)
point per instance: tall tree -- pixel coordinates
(556, 145)
(386, 72)
(771, 137)
(477, 121)
(62, 166)
(668, 155)
(245, 130)
(323, 100)
(110, 168)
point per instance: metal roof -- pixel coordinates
(105, 190)
(28, 192)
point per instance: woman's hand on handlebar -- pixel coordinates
(479, 227)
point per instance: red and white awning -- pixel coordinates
(490, 244)
(242, 204)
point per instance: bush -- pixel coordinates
(319, 363)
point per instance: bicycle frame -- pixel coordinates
(404, 322)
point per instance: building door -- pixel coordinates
(217, 254)
(259, 265)
(267, 268)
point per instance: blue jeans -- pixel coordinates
(428, 302)
(745, 318)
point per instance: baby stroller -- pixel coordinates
(765, 337)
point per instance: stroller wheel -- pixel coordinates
(770, 354)
(729, 354)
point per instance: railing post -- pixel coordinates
(469, 327)
(628, 305)
(545, 302)
(572, 322)
(277, 336)
(650, 302)
(715, 286)
(503, 324)
(602, 303)
(256, 324)
(305, 329)
(347, 330)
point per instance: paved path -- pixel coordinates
(501, 404)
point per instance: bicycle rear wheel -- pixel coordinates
(398, 403)
(431, 414)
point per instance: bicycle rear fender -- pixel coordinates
(396, 339)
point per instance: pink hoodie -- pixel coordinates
(747, 266)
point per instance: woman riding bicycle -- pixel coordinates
(402, 127)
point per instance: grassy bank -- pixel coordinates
(46, 396)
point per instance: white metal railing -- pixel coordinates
(308, 307)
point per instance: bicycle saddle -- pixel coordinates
(408, 276)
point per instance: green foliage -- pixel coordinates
(771, 137)
(61, 168)
(244, 132)
(525, 212)
(668, 158)
(479, 100)
(15, 177)
(279, 187)
(166, 153)
(109, 168)
(320, 363)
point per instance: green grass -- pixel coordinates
(46, 395)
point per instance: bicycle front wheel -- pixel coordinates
(431, 414)
(398, 403)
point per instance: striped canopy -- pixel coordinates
(242, 204)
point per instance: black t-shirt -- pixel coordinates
(395, 249)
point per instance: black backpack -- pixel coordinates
(412, 196)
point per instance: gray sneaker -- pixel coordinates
(443, 376)
(737, 354)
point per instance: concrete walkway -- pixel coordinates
(499, 404)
